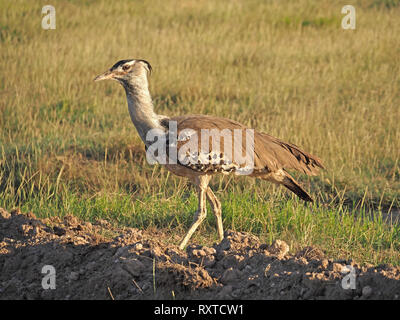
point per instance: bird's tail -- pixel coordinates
(294, 186)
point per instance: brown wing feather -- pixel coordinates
(270, 153)
(290, 156)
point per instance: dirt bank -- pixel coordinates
(97, 261)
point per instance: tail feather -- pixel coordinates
(293, 186)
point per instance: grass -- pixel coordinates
(287, 68)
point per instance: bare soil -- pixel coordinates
(98, 261)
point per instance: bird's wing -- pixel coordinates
(264, 153)
(287, 155)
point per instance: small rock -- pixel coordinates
(319, 276)
(209, 262)
(147, 253)
(230, 261)
(279, 248)
(25, 229)
(204, 274)
(221, 254)
(36, 223)
(138, 246)
(314, 263)
(59, 231)
(79, 240)
(134, 267)
(230, 275)
(71, 220)
(337, 267)
(4, 214)
(236, 293)
(198, 253)
(209, 251)
(366, 291)
(324, 263)
(248, 268)
(158, 253)
(73, 276)
(310, 253)
(302, 260)
(266, 270)
(369, 266)
(31, 215)
(102, 222)
(225, 244)
(120, 251)
(16, 211)
(263, 246)
(88, 225)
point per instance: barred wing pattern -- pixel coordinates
(210, 144)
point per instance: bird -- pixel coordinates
(262, 156)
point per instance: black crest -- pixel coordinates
(147, 63)
(121, 62)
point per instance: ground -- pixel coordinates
(286, 68)
(98, 261)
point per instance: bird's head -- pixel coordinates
(126, 71)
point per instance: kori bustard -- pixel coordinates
(243, 151)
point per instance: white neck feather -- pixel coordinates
(140, 106)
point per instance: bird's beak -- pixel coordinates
(104, 76)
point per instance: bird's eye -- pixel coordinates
(126, 67)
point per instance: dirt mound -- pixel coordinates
(98, 261)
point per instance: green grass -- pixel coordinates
(287, 68)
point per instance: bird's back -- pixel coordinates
(268, 153)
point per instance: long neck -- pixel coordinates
(140, 107)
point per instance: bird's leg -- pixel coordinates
(216, 206)
(199, 216)
(201, 213)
